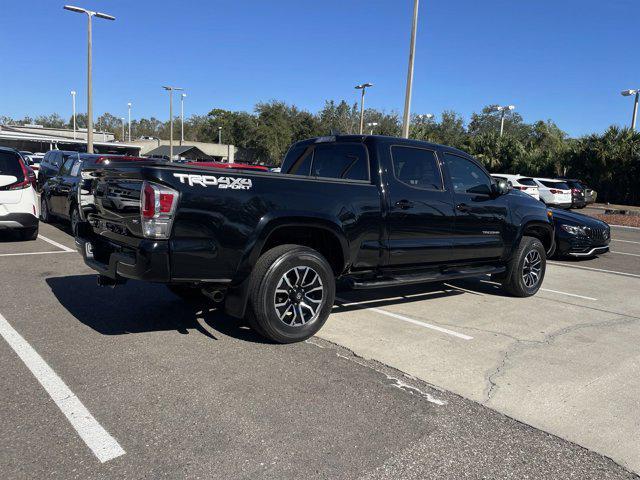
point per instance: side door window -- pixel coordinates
(417, 167)
(66, 167)
(466, 176)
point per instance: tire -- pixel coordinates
(525, 272)
(188, 293)
(292, 293)
(45, 214)
(29, 233)
(74, 220)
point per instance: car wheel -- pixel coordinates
(29, 233)
(292, 293)
(45, 215)
(75, 220)
(526, 270)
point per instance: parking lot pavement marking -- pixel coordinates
(624, 241)
(625, 253)
(594, 269)
(56, 244)
(31, 253)
(568, 294)
(101, 443)
(410, 320)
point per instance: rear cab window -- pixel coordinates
(347, 161)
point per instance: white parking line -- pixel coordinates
(624, 241)
(56, 244)
(101, 443)
(410, 320)
(625, 253)
(33, 253)
(568, 294)
(594, 269)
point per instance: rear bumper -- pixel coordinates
(18, 220)
(149, 261)
(559, 205)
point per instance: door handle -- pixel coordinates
(404, 204)
(462, 207)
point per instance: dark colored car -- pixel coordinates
(578, 191)
(50, 165)
(579, 235)
(375, 211)
(59, 195)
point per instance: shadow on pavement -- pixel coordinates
(139, 307)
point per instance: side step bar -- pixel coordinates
(450, 274)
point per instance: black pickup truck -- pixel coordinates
(373, 211)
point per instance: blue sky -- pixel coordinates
(560, 59)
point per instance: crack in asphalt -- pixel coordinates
(548, 339)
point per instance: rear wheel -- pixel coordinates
(45, 215)
(526, 270)
(74, 216)
(292, 293)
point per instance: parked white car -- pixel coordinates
(554, 193)
(519, 182)
(18, 199)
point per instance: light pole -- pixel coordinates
(412, 54)
(89, 14)
(219, 135)
(170, 90)
(362, 87)
(503, 110)
(371, 125)
(73, 103)
(129, 124)
(182, 117)
(628, 93)
(428, 116)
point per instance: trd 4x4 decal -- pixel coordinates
(213, 181)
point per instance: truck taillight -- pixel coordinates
(157, 209)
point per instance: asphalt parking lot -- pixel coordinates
(436, 381)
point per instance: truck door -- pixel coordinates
(59, 188)
(421, 216)
(481, 219)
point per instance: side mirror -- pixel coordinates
(501, 187)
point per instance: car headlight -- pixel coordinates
(574, 230)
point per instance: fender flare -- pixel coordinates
(238, 293)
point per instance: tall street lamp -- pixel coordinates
(219, 135)
(182, 117)
(503, 110)
(628, 93)
(89, 14)
(362, 87)
(371, 125)
(170, 90)
(129, 124)
(73, 106)
(412, 54)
